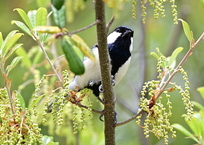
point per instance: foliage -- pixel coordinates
(15, 120)
(195, 124)
(157, 115)
(22, 121)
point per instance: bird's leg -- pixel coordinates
(101, 100)
(92, 82)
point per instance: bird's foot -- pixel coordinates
(92, 82)
(113, 80)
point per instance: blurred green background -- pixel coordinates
(154, 33)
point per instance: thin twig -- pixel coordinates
(25, 84)
(110, 23)
(97, 111)
(7, 86)
(10, 99)
(132, 118)
(82, 29)
(48, 59)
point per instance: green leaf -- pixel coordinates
(48, 140)
(8, 37)
(185, 131)
(37, 57)
(25, 60)
(59, 16)
(21, 99)
(155, 55)
(75, 64)
(14, 62)
(201, 91)
(198, 105)
(174, 55)
(13, 49)
(35, 102)
(32, 17)
(47, 29)
(57, 3)
(24, 17)
(79, 42)
(187, 30)
(41, 17)
(22, 26)
(159, 52)
(10, 41)
(195, 126)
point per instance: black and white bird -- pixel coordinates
(120, 45)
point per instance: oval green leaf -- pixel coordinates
(195, 126)
(185, 131)
(75, 64)
(59, 16)
(13, 49)
(22, 26)
(14, 62)
(10, 42)
(35, 102)
(198, 105)
(41, 17)
(32, 17)
(187, 30)
(174, 55)
(79, 42)
(24, 17)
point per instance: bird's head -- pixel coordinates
(120, 31)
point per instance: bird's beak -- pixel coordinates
(128, 33)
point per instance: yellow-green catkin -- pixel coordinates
(134, 9)
(159, 9)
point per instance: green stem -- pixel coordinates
(48, 59)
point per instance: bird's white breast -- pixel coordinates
(92, 72)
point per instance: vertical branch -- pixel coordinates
(109, 103)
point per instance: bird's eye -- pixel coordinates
(117, 30)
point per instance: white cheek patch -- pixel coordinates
(112, 37)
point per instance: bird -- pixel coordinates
(120, 46)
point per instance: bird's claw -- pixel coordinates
(92, 82)
(100, 88)
(113, 80)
